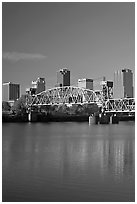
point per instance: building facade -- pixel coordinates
(123, 84)
(31, 91)
(10, 91)
(85, 83)
(107, 89)
(63, 77)
(37, 86)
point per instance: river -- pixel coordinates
(68, 162)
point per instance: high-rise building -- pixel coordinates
(97, 83)
(85, 83)
(63, 77)
(107, 89)
(10, 91)
(123, 83)
(39, 85)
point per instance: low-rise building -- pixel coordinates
(85, 83)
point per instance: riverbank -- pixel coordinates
(45, 118)
(8, 117)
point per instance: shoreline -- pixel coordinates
(9, 118)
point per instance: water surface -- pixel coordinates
(68, 162)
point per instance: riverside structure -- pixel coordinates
(70, 95)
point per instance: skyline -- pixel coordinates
(91, 39)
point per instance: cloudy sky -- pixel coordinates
(91, 39)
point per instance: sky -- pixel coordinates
(91, 39)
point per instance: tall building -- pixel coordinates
(107, 89)
(10, 91)
(85, 83)
(37, 86)
(63, 77)
(123, 83)
(97, 83)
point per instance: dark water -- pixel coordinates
(68, 162)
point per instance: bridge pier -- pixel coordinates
(91, 120)
(32, 116)
(104, 119)
(115, 119)
(99, 119)
(94, 119)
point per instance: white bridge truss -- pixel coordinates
(61, 95)
(120, 105)
(77, 95)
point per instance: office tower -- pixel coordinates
(107, 89)
(97, 83)
(85, 83)
(39, 85)
(128, 83)
(31, 91)
(63, 77)
(10, 91)
(123, 83)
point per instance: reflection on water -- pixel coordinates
(68, 162)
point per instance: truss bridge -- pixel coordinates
(76, 95)
(62, 95)
(119, 105)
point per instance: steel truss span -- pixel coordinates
(61, 95)
(120, 105)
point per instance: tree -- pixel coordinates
(76, 109)
(20, 105)
(6, 106)
(90, 108)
